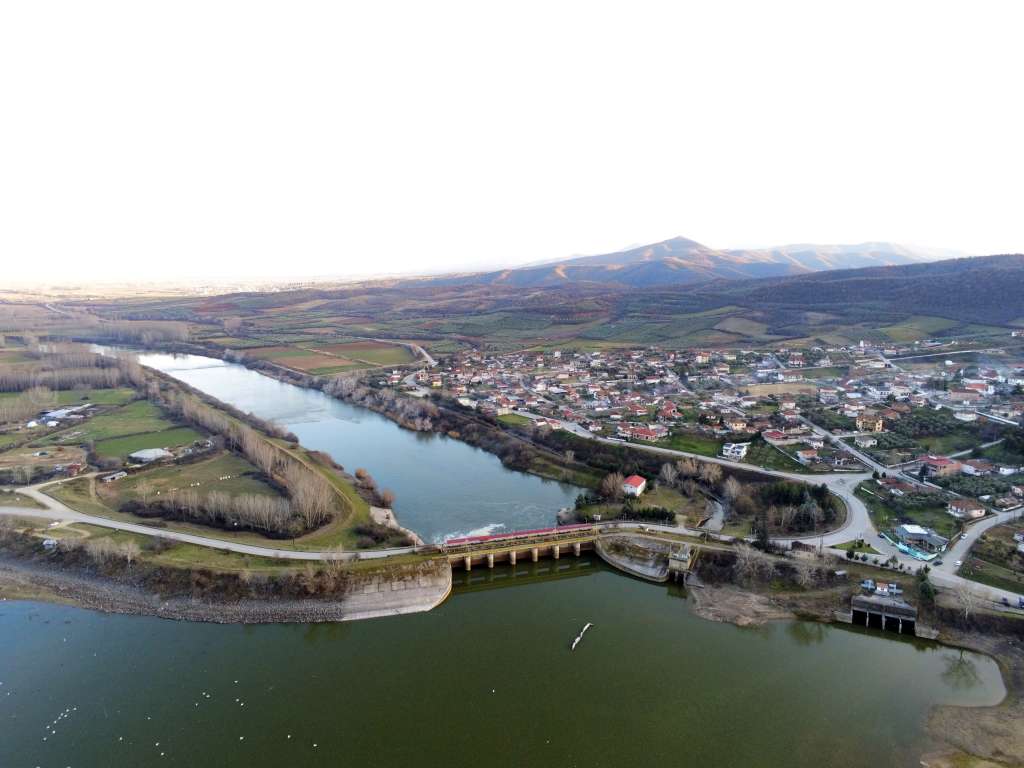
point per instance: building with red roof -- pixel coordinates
(634, 485)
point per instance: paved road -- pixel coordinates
(57, 510)
(857, 525)
(841, 484)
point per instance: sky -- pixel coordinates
(227, 140)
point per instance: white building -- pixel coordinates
(735, 451)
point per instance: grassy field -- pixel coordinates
(917, 328)
(782, 388)
(118, 396)
(764, 455)
(135, 418)
(833, 372)
(995, 561)
(885, 517)
(859, 546)
(240, 477)
(8, 499)
(692, 443)
(514, 419)
(168, 438)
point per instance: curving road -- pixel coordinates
(857, 525)
(57, 510)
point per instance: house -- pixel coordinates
(966, 509)
(634, 485)
(735, 451)
(113, 477)
(863, 441)
(870, 422)
(924, 539)
(895, 487)
(940, 466)
(773, 435)
(807, 455)
(977, 467)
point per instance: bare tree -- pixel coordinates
(752, 563)
(131, 551)
(687, 467)
(806, 574)
(966, 597)
(710, 473)
(731, 489)
(387, 498)
(668, 475)
(611, 486)
(144, 488)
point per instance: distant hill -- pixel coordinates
(680, 261)
(985, 289)
(971, 296)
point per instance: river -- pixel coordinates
(486, 678)
(443, 487)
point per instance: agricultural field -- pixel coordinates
(225, 472)
(122, 430)
(917, 327)
(782, 388)
(120, 447)
(374, 352)
(303, 359)
(135, 418)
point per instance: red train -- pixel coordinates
(517, 535)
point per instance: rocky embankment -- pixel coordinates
(640, 556)
(386, 592)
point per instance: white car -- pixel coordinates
(958, 563)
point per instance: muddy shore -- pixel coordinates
(410, 590)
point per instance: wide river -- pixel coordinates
(443, 487)
(485, 679)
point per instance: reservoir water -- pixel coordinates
(485, 679)
(443, 487)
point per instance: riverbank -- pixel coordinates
(982, 736)
(393, 591)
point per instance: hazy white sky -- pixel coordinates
(190, 139)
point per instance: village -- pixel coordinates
(935, 423)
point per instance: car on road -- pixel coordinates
(939, 561)
(958, 563)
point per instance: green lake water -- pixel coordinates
(487, 678)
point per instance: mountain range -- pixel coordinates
(680, 261)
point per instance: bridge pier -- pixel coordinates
(468, 561)
(490, 559)
(512, 557)
(554, 551)
(535, 554)
(576, 549)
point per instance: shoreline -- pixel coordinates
(373, 595)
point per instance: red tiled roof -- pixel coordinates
(634, 480)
